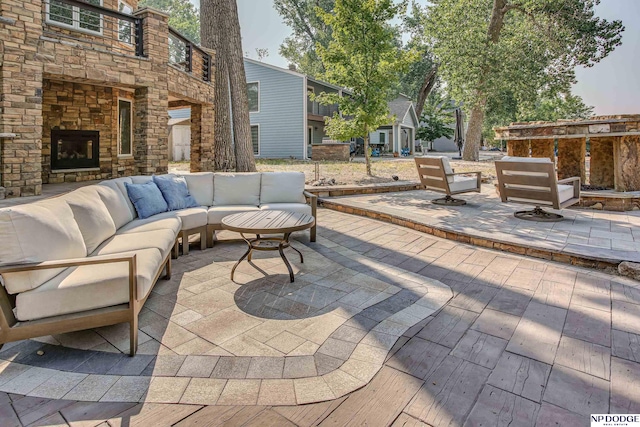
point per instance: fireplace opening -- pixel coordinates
(75, 149)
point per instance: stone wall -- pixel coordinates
(339, 152)
(626, 151)
(96, 73)
(75, 106)
(602, 171)
(572, 153)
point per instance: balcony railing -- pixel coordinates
(188, 56)
(101, 27)
(321, 110)
(119, 31)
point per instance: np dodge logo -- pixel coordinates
(615, 420)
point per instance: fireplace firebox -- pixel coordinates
(75, 149)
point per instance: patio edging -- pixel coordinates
(458, 236)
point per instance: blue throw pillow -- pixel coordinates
(175, 191)
(146, 198)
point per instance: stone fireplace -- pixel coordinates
(75, 149)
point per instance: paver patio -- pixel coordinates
(592, 234)
(518, 340)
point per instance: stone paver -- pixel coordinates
(564, 338)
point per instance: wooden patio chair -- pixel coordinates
(436, 175)
(533, 181)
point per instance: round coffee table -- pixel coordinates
(267, 222)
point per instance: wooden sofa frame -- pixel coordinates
(312, 200)
(534, 174)
(433, 177)
(13, 330)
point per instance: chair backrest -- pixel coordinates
(433, 174)
(528, 180)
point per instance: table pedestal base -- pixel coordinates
(268, 244)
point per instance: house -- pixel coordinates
(86, 92)
(401, 131)
(284, 120)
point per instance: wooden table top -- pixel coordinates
(265, 222)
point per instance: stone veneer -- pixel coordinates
(330, 151)
(52, 76)
(615, 147)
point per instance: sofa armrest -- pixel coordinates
(312, 200)
(78, 262)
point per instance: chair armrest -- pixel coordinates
(77, 262)
(568, 180)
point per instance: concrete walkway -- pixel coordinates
(610, 237)
(521, 342)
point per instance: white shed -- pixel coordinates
(179, 139)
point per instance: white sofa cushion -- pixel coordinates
(88, 287)
(282, 187)
(157, 222)
(193, 217)
(201, 187)
(463, 183)
(92, 216)
(141, 179)
(163, 240)
(116, 204)
(118, 184)
(216, 213)
(526, 159)
(288, 207)
(236, 189)
(37, 232)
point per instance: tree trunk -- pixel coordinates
(474, 134)
(245, 160)
(473, 138)
(425, 90)
(367, 156)
(213, 37)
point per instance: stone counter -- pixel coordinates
(330, 151)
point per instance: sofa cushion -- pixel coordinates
(201, 187)
(92, 216)
(216, 213)
(37, 232)
(175, 192)
(141, 179)
(116, 204)
(565, 192)
(526, 159)
(282, 187)
(147, 199)
(119, 184)
(89, 287)
(236, 189)
(163, 221)
(163, 240)
(288, 207)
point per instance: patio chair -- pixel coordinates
(436, 175)
(533, 181)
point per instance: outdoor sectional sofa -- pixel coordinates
(85, 260)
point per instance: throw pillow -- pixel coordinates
(146, 198)
(175, 191)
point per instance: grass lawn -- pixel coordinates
(354, 172)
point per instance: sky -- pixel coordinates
(612, 86)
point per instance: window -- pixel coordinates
(253, 90)
(75, 17)
(255, 139)
(125, 135)
(383, 138)
(125, 28)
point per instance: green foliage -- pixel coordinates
(309, 30)
(492, 49)
(184, 17)
(363, 57)
(438, 118)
